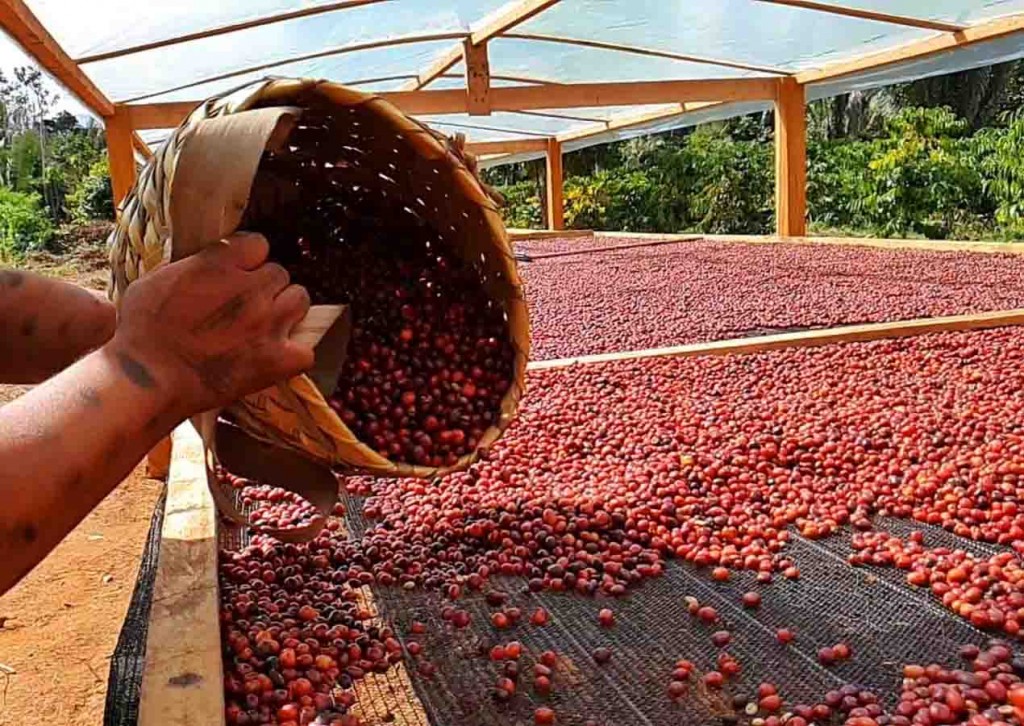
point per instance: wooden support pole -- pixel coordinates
(478, 78)
(791, 159)
(553, 185)
(121, 153)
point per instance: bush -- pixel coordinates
(93, 197)
(522, 208)
(24, 225)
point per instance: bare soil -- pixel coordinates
(59, 626)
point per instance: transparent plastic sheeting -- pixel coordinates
(753, 39)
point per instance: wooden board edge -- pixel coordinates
(803, 339)
(182, 679)
(884, 243)
(523, 235)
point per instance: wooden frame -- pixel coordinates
(120, 149)
(478, 79)
(874, 15)
(523, 98)
(554, 186)
(23, 26)
(517, 146)
(803, 339)
(791, 159)
(511, 17)
(182, 677)
(638, 50)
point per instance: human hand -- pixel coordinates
(213, 327)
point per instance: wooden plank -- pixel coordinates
(525, 98)
(505, 18)
(805, 339)
(516, 146)
(120, 153)
(478, 79)
(629, 120)
(554, 186)
(791, 160)
(158, 460)
(141, 146)
(182, 681)
(26, 30)
(862, 14)
(230, 28)
(1010, 248)
(992, 30)
(652, 52)
(523, 235)
(515, 15)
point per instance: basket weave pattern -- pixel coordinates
(445, 184)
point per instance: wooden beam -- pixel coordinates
(182, 678)
(339, 50)
(629, 120)
(120, 153)
(803, 339)
(506, 18)
(653, 52)
(516, 146)
(141, 146)
(912, 22)
(230, 28)
(554, 186)
(26, 30)
(791, 159)
(992, 30)
(525, 98)
(478, 78)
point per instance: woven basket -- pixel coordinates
(220, 144)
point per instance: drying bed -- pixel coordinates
(673, 293)
(868, 493)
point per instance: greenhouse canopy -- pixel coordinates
(522, 79)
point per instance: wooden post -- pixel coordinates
(553, 182)
(478, 79)
(791, 159)
(121, 154)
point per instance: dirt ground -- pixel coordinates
(59, 626)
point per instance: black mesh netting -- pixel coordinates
(886, 622)
(126, 664)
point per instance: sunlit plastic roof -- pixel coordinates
(145, 52)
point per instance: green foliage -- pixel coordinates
(23, 225)
(522, 205)
(1003, 163)
(93, 197)
(921, 179)
(922, 174)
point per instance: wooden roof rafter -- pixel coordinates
(489, 28)
(862, 14)
(24, 27)
(653, 52)
(229, 28)
(329, 52)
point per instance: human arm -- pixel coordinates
(195, 335)
(47, 324)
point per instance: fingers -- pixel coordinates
(289, 308)
(271, 279)
(247, 250)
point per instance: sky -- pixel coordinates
(11, 56)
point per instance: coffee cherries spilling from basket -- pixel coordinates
(429, 359)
